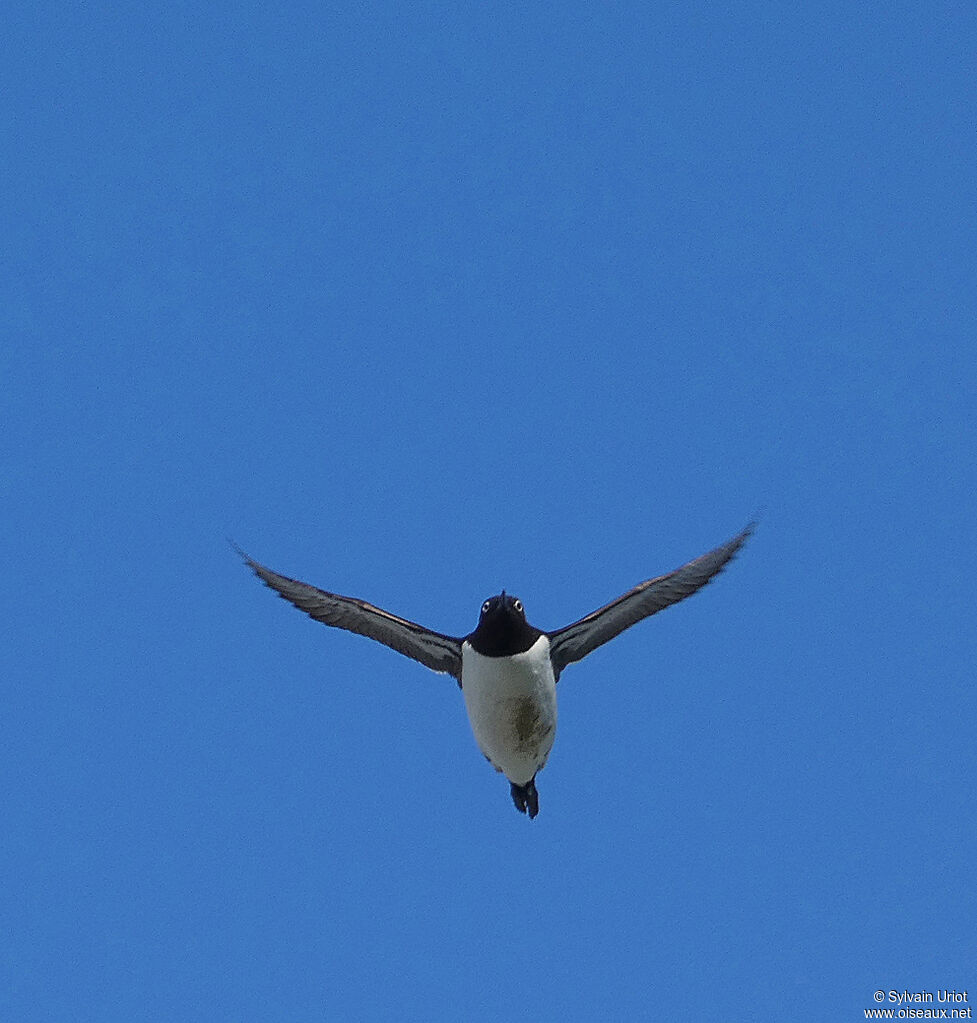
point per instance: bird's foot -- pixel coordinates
(526, 797)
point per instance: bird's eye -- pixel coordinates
(517, 604)
(485, 607)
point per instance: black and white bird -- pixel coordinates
(507, 669)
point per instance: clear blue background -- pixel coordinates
(418, 301)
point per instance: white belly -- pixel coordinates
(511, 703)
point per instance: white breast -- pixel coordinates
(511, 703)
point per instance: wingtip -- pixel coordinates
(744, 534)
(243, 555)
(265, 575)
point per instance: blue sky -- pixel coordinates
(416, 302)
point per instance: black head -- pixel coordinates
(504, 606)
(502, 628)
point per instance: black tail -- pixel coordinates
(526, 797)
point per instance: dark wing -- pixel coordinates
(434, 651)
(576, 641)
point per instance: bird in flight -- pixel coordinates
(507, 669)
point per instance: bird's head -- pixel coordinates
(502, 607)
(502, 628)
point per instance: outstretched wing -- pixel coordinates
(434, 651)
(576, 641)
